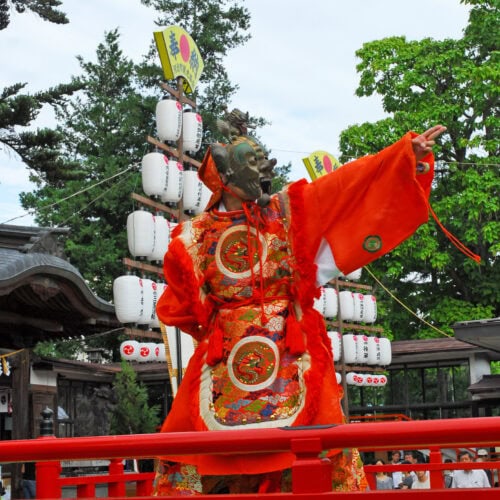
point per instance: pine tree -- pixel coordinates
(46, 9)
(104, 129)
(38, 149)
(132, 413)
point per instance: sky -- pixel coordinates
(298, 70)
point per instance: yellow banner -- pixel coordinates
(179, 56)
(320, 163)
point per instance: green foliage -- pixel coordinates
(65, 350)
(85, 170)
(455, 83)
(132, 414)
(282, 174)
(104, 129)
(46, 9)
(40, 150)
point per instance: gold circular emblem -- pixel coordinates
(253, 363)
(232, 252)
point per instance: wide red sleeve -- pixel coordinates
(366, 208)
(181, 303)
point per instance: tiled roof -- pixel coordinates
(42, 295)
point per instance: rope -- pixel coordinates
(402, 304)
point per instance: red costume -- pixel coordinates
(242, 284)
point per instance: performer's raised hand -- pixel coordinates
(423, 143)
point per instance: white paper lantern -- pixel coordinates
(154, 173)
(160, 354)
(362, 349)
(145, 352)
(205, 198)
(161, 238)
(338, 377)
(191, 196)
(173, 191)
(336, 339)
(355, 275)
(383, 380)
(355, 379)
(155, 322)
(331, 302)
(192, 131)
(349, 348)
(171, 226)
(127, 295)
(346, 305)
(359, 307)
(187, 347)
(370, 309)
(161, 289)
(385, 351)
(373, 351)
(140, 233)
(368, 379)
(320, 303)
(152, 351)
(168, 120)
(148, 308)
(129, 350)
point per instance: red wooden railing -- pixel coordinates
(308, 472)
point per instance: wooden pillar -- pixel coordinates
(21, 410)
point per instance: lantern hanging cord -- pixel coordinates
(402, 304)
(74, 194)
(92, 201)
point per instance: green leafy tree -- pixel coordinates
(132, 413)
(68, 349)
(455, 83)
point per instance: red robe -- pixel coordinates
(243, 283)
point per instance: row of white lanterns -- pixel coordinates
(355, 307)
(144, 352)
(360, 349)
(148, 235)
(172, 121)
(132, 350)
(135, 300)
(363, 379)
(169, 181)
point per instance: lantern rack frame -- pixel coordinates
(341, 325)
(155, 204)
(180, 96)
(175, 213)
(173, 151)
(142, 334)
(143, 266)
